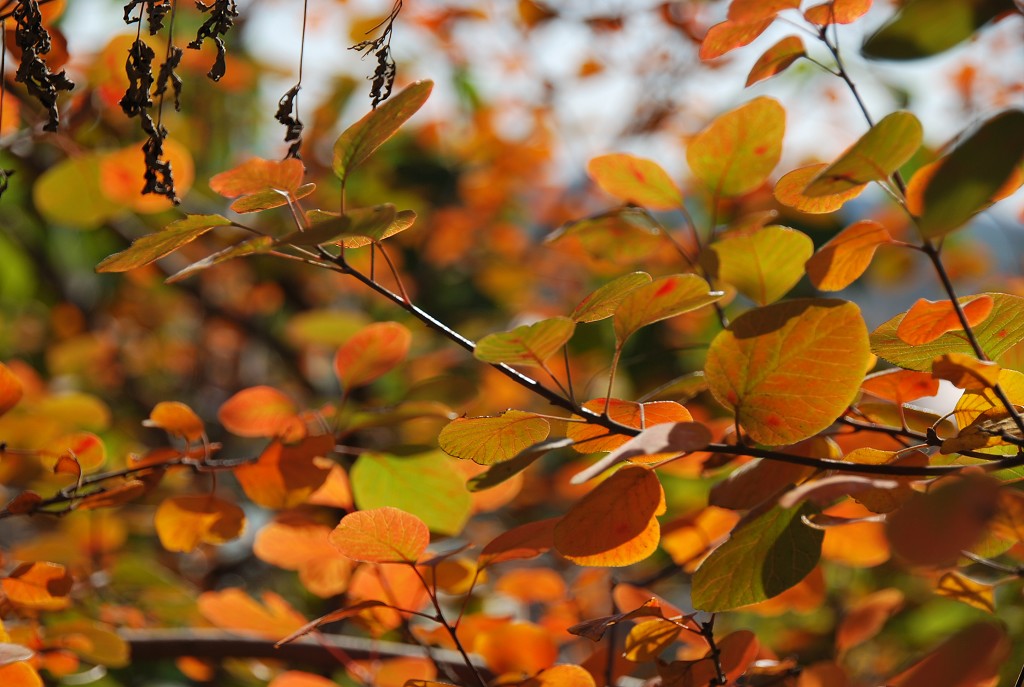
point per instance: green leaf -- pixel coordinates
(874, 157)
(635, 180)
(968, 178)
(146, 249)
(260, 244)
(362, 138)
(269, 199)
(736, 152)
(603, 302)
(501, 472)
(789, 369)
(424, 485)
(660, 300)
(490, 440)
(1000, 331)
(530, 344)
(69, 194)
(762, 558)
(923, 28)
(763, 265)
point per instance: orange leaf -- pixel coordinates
(333, 617)
(177, 419)
(837, 12)
(659, 442)
(971, 657)
(490, 440)
(561, 676)
(397, 672)
(233, 609)
(789, 369)
(729, 35)
(737, 650)
(524, 541)
(646, 640)
(592, 438)
(595, 628)
(38, 586)
(686, 538)
(789, 190)
(84, 448)
(286, 476)
(736, 152)
(121, 170)
(532, 585)
(381, 535)
(114, 496)
(10, 389)
(20, 674)
(185, 522)
(776, 59)
(844, 258)
(517, 647)
(261, 411)
(954, 586)
(927, 320)
(635, 180)
(303, 545)
(755, 10)
(399, 584)
(859, 544)
(370, 353)
(660, 300)
(966, 372)
(900, 386)
(298, 678)
(257, 175)
(616, 523)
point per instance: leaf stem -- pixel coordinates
(451, 631)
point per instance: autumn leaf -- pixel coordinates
(837, 12)
(927, 320)
(966, 372)
(866, 617)
(900, 386)
(516, 647)
(39, 586)
(177, 419)
(591, 438)
(754, 10)
(10, 389)
(561, 676)
(764, 557)
(286, 475)
(815, 350)
(529, 344)
(602, 303)
(658, 442)
(729, 35)
(505, 470)
(846, 256)
(763, 264)
(874, 157)
(360, 140)
(646, 640)
(257, 175)
(261, 411)
(85, 449)
(490, 440)
(269, 199)
(963, 589)
(922, 28)
(254, 246)
(969, 657)
(616, 523)
(789, 190)
(151, 247)
(233, 609)
(297, 543)
(521, 542)
(635, 180)
(739, 149)
(371, 352)
(381, 535)
(185, 522)
(660, 300)
(776, 59)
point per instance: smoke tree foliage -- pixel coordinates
(393, 410)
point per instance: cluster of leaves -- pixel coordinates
(766, 467)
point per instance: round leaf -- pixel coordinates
(789, 190)
(381, 535)
(260, 411)
(371, 352)
(185, 522)
(529, 344)
(490, 440)
(635, 180)
(603, 302)
(844, 258)
(660, 300)
(763, 264)
(177, 419)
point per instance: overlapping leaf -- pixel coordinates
(927, 320)
(591, 438)
(152, 247)
(254, 246)
(603, 302)
(528, 345)
(286, 475)
(789, 190)
(298, 543)
(38, 586)
(729, 35)
(788, 370)
(185, 522)
(505, 470)
(490, 440)
(763, 264)
(660, 300)
(776, 59)
(837, 12)
(660, 441)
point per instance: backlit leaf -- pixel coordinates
(660, 300)
(753, 10)
(269, 199)
(646, 640)
(932, 529)
(152, 247)
(300, 544)
(657, 442)
(505, 470)
(966, 372)
(971, 177)
(740, 148)
(185, 522)
(737, 651)
(776, 59)
(177, 419)
(362, 138)
(261, 411)
(763, 558)
(286, 475)
(516, 647)
(1000, 331)
(490, 440)
(622, 235)
(965, 590)
(521, 542)
(84, 448)
(837, 12)
(10, 389)
(528, 345)
(844, 258)
(121, 171)
(635, 180)
(763, 264)
(616, 523)
(874, 157)
(900, 386)
(866, 617)
(381, 535)
(591, 438)
(233, 609)
(365, 234)
(255, 246)
(972, 656)
(686, 539)
(922, 28)
(789, 190)
(561, 676)
(927, 320)
(39, 586)
(371, 352)
(788, 370)
(423, 485)
(603, 302)
(729, 35)
(256, 175)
